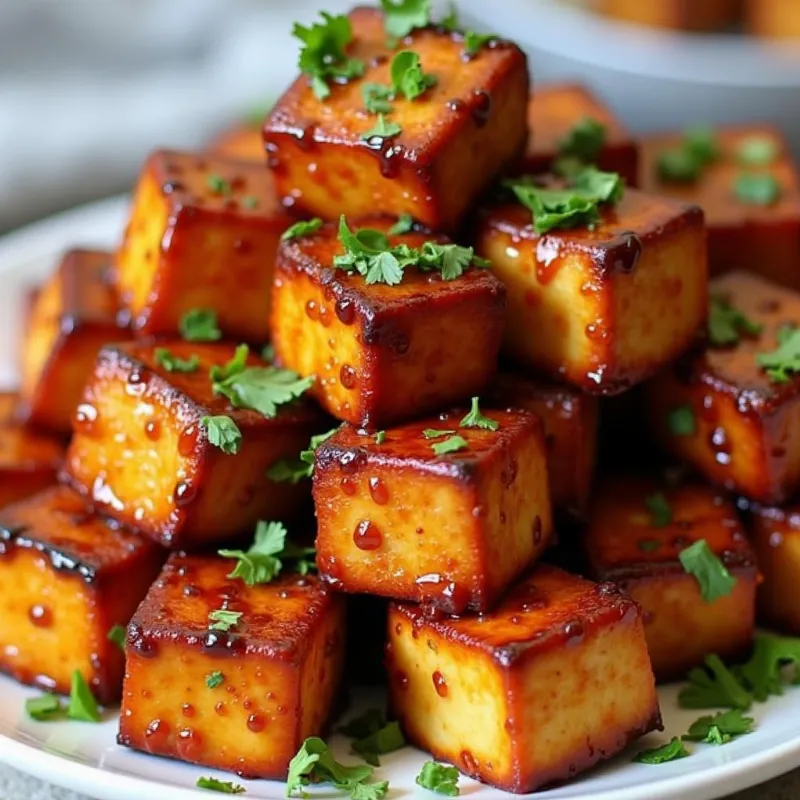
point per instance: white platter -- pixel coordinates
(85, 757)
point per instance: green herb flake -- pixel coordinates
(218, 185)
(377, 98)
(678, 165)
(450, 21)
(451, 445)
(403, 16)
(250, 201)
(380, 437)
(82, 705)
(303, 228)
(385, 739)
(659, 508)
(681, 421)
(117, 635)
(303, 467)
(45, 708)
(408, 79)
(757, 151)
(436, 433)
(172, 363)
(268, 353)
(405, 224)
(223, 620)
(763, 672)
(223, 433)
(224, 787)
(200, 325)
(584, 141)
(714, 686)
(365, 724)
(382, 130)
(727, 324)
(757, 190)
(671, 751)
(475, 419)
(713, 577)
(475, 42)
(214, 679)
(783, 362)
(719, 728)
(701, 142)
(648, 545)
(439, 778)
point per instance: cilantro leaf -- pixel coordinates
(225, 787)
(377, 98)
(214, 679)
(365, 724)
(117, 635)
(475, 42)
(82, 705)
(407, 76)
(439, 778)
(44, 708)
(475, 419)
(382, 130)
(785, 359)
(450, 445)
(384, 268)
(720, 728)
(701, 142)
(677, 164)
(681, 421)
(218, 185)
(659, 508)
(223, 432)
(450, 22)
(434, 433)
(174, 364)
(223, 620)
(323, 56)
(648, 545)
(380, 437)
(303, 228)
(404, 224)
(250, 201)
(261, 389)
(713, 577)
(200, 325)
(374, 736)
(403, 16)
(714, 686)
(757, 151)
(762, 672)
(295, 471)
(671, 751)
(584, 141)
(757, 190)
(233, 366)
(726, 323)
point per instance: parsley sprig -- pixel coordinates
(711, 574)
(714, 686)
(673, 750)
(685, 162)
(302, 228)
(223, 787)
(476, 419)
(82, 705)
(172, 363)
(439, 778)
(727, 324)
(719, 728)
(408, 80)
(584, 141)
(403, 16)
(784, 361)
(374, 736)
(200, 325)
(223, 433)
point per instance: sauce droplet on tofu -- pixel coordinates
(367, 536)
(440, 684)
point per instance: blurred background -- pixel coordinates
(88, 87)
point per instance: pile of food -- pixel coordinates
(378, 381)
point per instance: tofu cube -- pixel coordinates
(381, 353)
(774, 19)
(241, 699)
(741, 235)
(570, 434)
(455, 138)
(142, 454)
(775, 534)
(709, 15)
(601, 309)
(74, 315)
(554, 110)
(452, 530)
(67, 577)
(202, 234)
(243, 141)
(29, 461)
(554, 680)
(628, 544)
(745, 427)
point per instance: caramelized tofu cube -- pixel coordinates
(142, 454)
(72, 318)
(243, 141)
(775, 534)
(638, 549)
(741, 428)
(775, 19)
(601, 309)
(203, 234)
(383, 353)
(554, 110)
(67, 577)
(241, 699)
(453, 530)
(741, 235)
(29, 461)
(454, 139)
(553, 680)
(570, 434)
(708, 15)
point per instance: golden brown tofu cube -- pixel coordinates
(555, 110)
(241, 699)
(775, 19)
(706, 15)
(741, 235)
(455, 138)
(67, 577)
(202, 234)
(570, 433)
(243, 141)
(601, 309)
(383, 353)
(743, 427)
(73, 317)
(552, 681)
(453, 530)
(29, 461)
(142, 454)
(638, 527)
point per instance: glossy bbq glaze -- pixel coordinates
(66, 578)
(553, 112)
(202, 234)
(617, 302)
(383, 353)
(747, 427)
(762, 239)
(564, 675)
(141, 454)
(455, 138)
(279, 667)
(452, 530)
(75, 314)
(625, 544)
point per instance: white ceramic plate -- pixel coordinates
(86, 758)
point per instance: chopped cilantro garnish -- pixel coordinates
(439, 778)
(380, 437)
(382, 129)
(403, 16)
(314, 763)
(364, 724)
(757, 190)
(43, 708)
(671, 751)
(117, 635)
(323, 55)
(475, 419)
(377, 98)
(303, 228)
(408, 78)
(200, 325)
(374, 736)
(726, 323)
(678, 164)
(214, 679)
(218, 184)
(712, 575)
(225, 787)
(782, 362)
(223, 620)
(475, 42)
(762, 672)
(681, 421)
(719, 728)
(294, 471)
(757, 151)
(223, 432)
(648, 545)
(584, 141)
(250, 201)
(714, 686)
(701, 142)
(659, 508)
(450, 445)
(174, 364)
(404, 224)
(82, 705)
(436, 433)
(450, 22)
